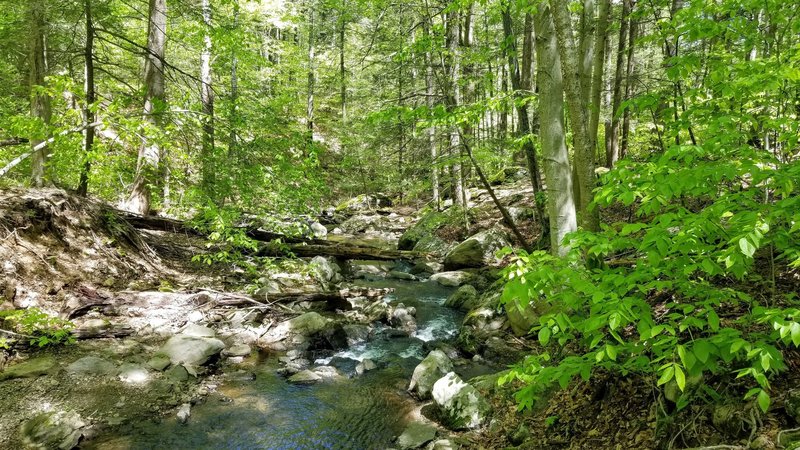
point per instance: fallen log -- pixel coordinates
(338, 250)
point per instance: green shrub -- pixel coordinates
(41, 328)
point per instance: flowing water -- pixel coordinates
(364, 412)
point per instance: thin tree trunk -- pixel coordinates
(631, 61)
(150, 153)
(601, 34)
(234, 95)
(520, 82)
(454, 96)
(577, 107)
(40, 102)
(431, 131)
(88, 111)
(207, 101)
(612, 155)
(560, 203)
(312, 78)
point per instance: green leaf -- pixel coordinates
(713, 320)
(680, 378)
(748, 249)
(611, 351)
(666, 375)
(763, 400)
(544, 335)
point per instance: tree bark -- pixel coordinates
(312, 77)
(207, 102)
(150, 152)
(431, 131)
(631, 60)
(520, 83)
(577, 107)
(612, 153)
(560, 203)
(454, 100)
(88, 110)
(40, 102)
(234, 94)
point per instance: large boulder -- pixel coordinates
(331, 337)
(461, 406)
(432, 368)
(403, 318)
(451, 279)
(304, 325)
(477, 251)
(318, 230)
(53, 430)
(522, 316)
(191, 350)
(29, 369)
(427, 226)
(326, 270)
(464, 298)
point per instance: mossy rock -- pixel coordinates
(428, 225)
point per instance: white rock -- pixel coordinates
(184, 412)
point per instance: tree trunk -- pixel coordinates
(312, 78)
(577, 107)
(454, 100)
(207, 101)
(597, 70)
(520, 82)
(40, 102)
(88, 111)
(150, 153)
(612, 153)
(560, 203)
(234, 95)
(631, 60)
(431, 131)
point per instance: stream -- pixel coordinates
(358, 412)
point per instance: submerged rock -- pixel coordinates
(29, 369)
(53, 430)
(365, 366)
(237, 350)
(305, 377)
(461, 406)
(133, 373)
(416, 435)
(432, 368)
(92, 365)
(184, 412)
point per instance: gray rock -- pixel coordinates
(318, 230)
(416, 435)
(356, 333)
(443, 444)
(195, 330)
(93, 327)
(464, 298)
(191, 350)
(305, 377)
(177, 374)
(365, 366)
(403, 318)
(237, 350)
(326, 270)
(159, 362)
(92, 365)
(425, 375)
(29, 369)
(452, 279)
(51, 430)
(521, 316)
(398, 275)
(304, 325)
(426, 267)
(477, 251)
(461, 405)
(184, 412)
(327, 372)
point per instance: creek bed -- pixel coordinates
(364, 412)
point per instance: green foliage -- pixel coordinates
(228, 241)
(42, 328)
(702, 221)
